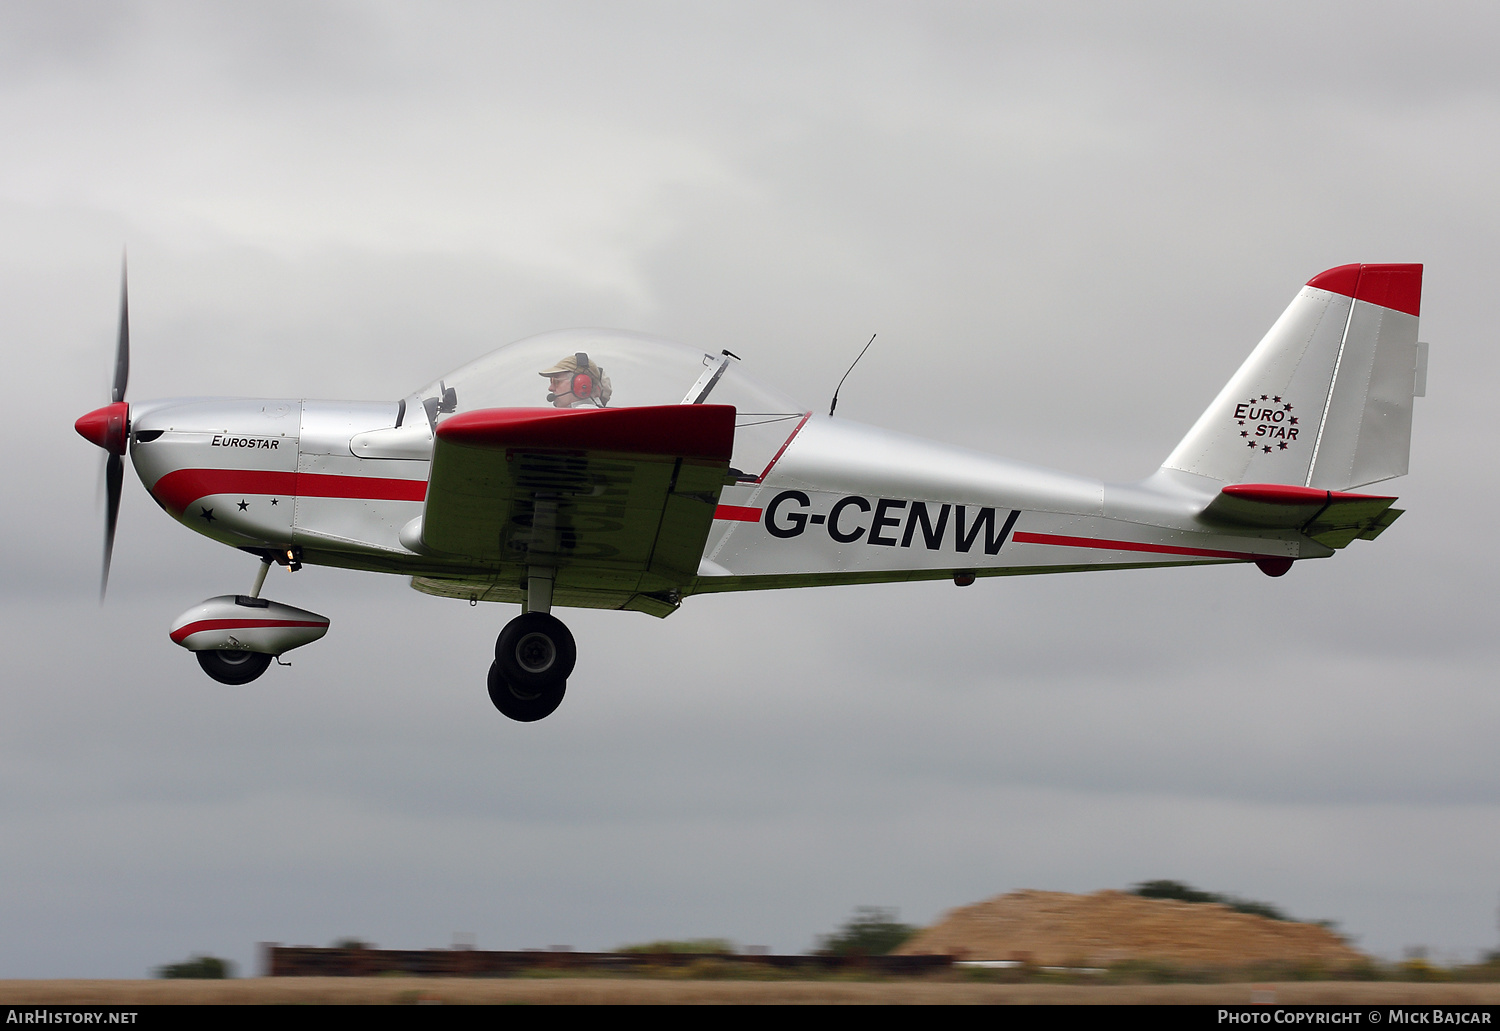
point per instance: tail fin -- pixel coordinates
(1325, 399)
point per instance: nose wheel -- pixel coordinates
(534, 656)
(232, 666)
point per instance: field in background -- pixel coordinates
(616, 991)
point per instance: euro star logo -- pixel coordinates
(1266, 423)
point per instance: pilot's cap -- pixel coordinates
(570, 365)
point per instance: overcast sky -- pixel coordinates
(1068, 223)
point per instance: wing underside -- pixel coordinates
(615, 503)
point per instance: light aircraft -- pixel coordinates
(604, 469)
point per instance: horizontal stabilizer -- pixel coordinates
(1332, 518)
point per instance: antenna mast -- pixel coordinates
(835, 403)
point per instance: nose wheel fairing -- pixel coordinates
(237, 635)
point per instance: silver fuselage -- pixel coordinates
(842, 503)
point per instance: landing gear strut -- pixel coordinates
(534, 655)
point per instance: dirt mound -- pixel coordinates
(1051, 928)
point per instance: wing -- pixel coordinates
(618, 502)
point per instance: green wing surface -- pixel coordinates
(1333, 518)
(618, 502)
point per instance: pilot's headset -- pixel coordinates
(588, 382)
(583, 383)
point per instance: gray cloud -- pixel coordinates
(1092, 213)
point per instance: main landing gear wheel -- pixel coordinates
(233, 666)
(534, 651)
(524, 706)
(533, 656)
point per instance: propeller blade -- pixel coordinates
(122, 348)
(114, 478)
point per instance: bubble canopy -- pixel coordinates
(636, 370)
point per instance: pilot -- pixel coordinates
(576, 382)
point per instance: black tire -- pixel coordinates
(233, 666)
(523, 706)
(535, 651)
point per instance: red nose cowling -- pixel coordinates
(106, 427)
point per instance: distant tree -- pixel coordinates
(871, 931)
(688, 946)
(1187, 893)
(1174, 890)
(208, 967)
(351, 943)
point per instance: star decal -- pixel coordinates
(1273, 422)
(206, 513)
(273, 501)
(243, 504)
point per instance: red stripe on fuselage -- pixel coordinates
(181, 487)
(1155, 549)
(369, 488)
(184, 632)
(737, 513)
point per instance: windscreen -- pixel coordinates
(608, 368)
